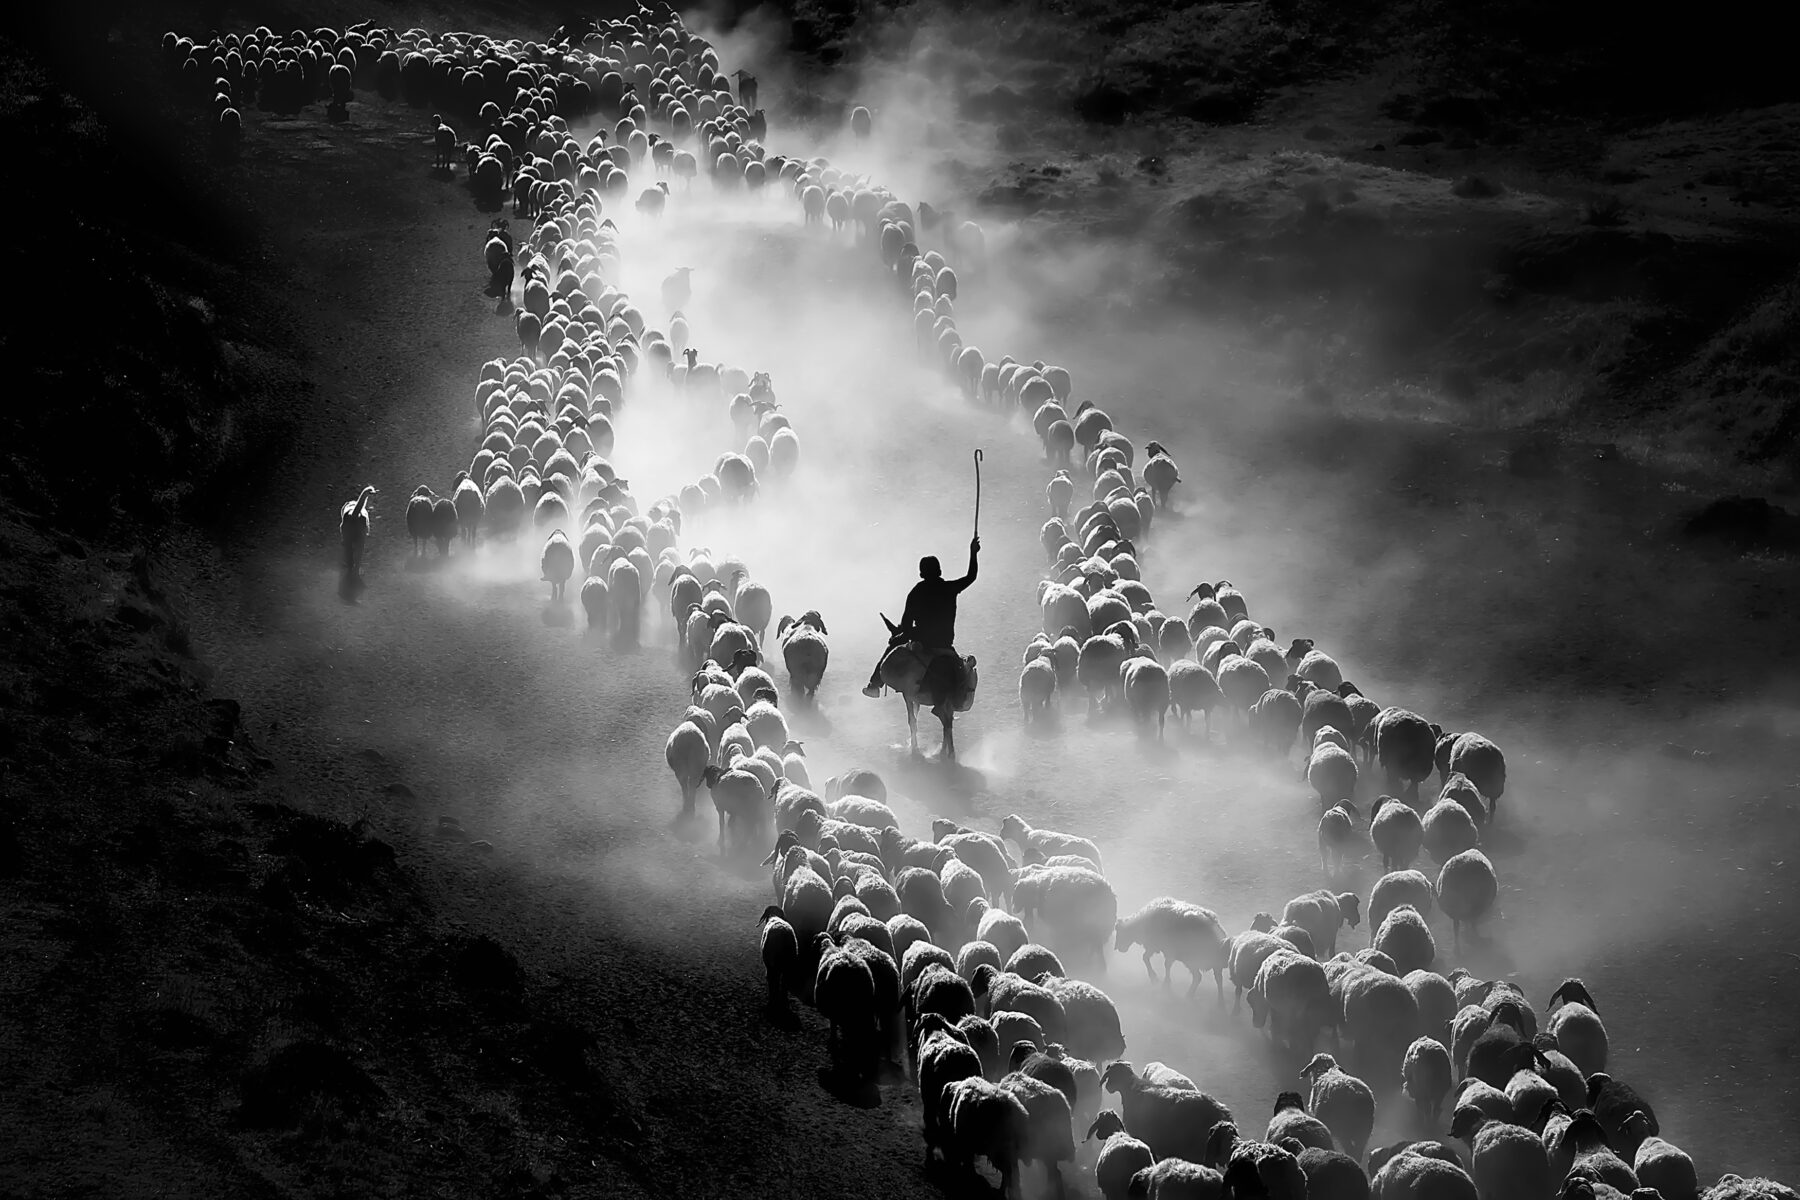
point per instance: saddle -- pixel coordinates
(949, 676)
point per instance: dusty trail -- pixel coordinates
(1652, 880)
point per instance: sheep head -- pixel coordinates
(1105, 1125)
(1119, 1077)
(1320, 1065)
(1573, 991)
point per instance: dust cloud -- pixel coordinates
(1439, 583)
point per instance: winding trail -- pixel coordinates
(494, 707)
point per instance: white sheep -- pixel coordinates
(804, 650)
(1182, 933)
(1574, 1021)
(1046, 842)
(1505, 1159)
(1345, 1103)
(557, 562)
(1397, 832)
(1037, 688)
(1426, 1075)
(1146, 687)
(353, 528)
(688, 754)
(1466, 890)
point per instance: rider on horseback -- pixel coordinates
(929, 621)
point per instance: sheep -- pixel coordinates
(353, 529)
(1174, 1122)
(1002, 929)
(1316, 668)
(973, 954)
(1032, 961)
(1092, 1020)
(1058, 493)
(596, 602)
(1397, 832)
(1255, 1168)
(1291, 1122)
(1485, 765)
(741, 797)
(1563, 1074)
(1321, 914)
(1345, 1103)
(1177, 1179)
(886, 976)
(1160, 473)
(1330, 1175)
(1120, 1157)
(1736, 1187)
(1192, 688)
(1426, 1074)
(1146, 687)
(418, 517)
(1411, 1175)
(1006, 992)
(921, 895)
(780, 955)
(983, 851)
(1292, 998)
(1595, 1158)
(1045, 841)
(1461, 789)
(1466, 890)
(806, 899)
(1075, 905)
(1244, 958)
(844, 994)
(1505, 1160)
(1332, 773)
(984, 1121)
(1435, 1000)
(1406, 748)
(1014, 1027)
(1449, 830)
(1049, 1137)
(1377, 1012)
(1612, 1103)
(1405, 937)
(1337, 834)
(943, 1059)
(935, 990)
(1577, 1027)
(1661, 1165)
(688, 755)
(860, 810)
(1182, 933)
(861, 122)
(1037, 688)
(1274, 719)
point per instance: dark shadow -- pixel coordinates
(809, 720)
(336, 113)
(782, 1016)
(858, 1093)
(424, 564)
(688, 827)
(1045, 726)
(351, 587)
(927, 774)
(443, 174)
(557, 615)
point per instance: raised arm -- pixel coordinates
(966, 580)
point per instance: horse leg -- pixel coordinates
(912, 723)
(949, 737)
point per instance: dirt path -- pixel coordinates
(1662, 884)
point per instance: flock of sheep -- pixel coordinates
(950, 959)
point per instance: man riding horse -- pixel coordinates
(929, 625)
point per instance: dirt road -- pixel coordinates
(1666, 885)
